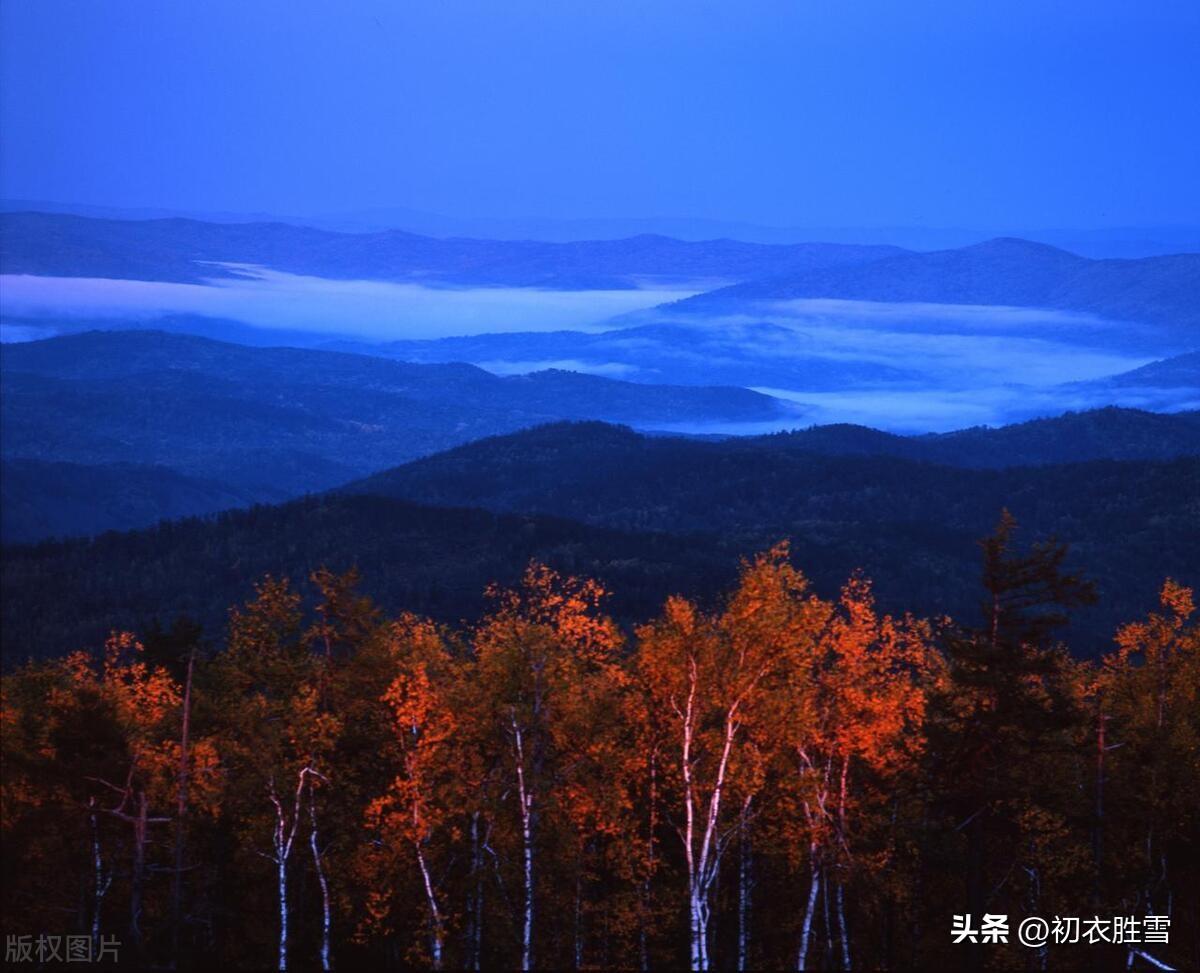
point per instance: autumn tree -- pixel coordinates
(774, 780)
(425, 793)
(854, 733)
(543, 640)
(711, 678)
(110, 728)
(1151, 697)
(276, 737)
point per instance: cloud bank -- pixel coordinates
(375, 310)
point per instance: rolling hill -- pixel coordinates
(756, 353)
(910, 523)
(612, 476)
(184, 250)
(294, 420)
(40, 499)
(1099, 434)
(1009, 272)
(1179, 371)
(648, 517)
(1076, 437)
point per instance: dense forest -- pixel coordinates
(775, 780)
(649, 516)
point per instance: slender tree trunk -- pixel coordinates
(527, 925)
(101, 881)
(283, 913)
(700, 914)
(436, 930)
(842, 932)
(525, 797)
(825, 916)
(809, 909)
(283, 839)
(319, 864)
(702, 852)
(181, 811)
(475, 908)
(743, 915)
(698, 927)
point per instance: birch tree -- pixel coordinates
(542, 639)
(1152, 694)
(276, 731)
(425, 793)
(709, 676)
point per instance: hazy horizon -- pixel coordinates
(766, 113)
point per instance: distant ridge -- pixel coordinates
(1163, 290)
(184, 250)
(1121, 241)
(1180, 371)
(1101, 434)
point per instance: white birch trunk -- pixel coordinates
(743, 927)
(475, 930)
(701, 850)
(319, 864)
(525, 797)
(102, 881)
(436, 931)
(283, 839)
(283, 913)
(841, 921)
(809, 910)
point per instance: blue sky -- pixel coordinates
(883, 113)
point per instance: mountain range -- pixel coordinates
(194, 425)
(843, 474)
(276, 422)
(182, 250)
(1160, 290)
(1128, 241)
(441, 465)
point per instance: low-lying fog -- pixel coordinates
(367, 309)
(903, 367)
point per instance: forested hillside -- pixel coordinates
(646, 516)
(1076, 437)
(910, 524)
(413, 558)
(41, 499)
(272, 423)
